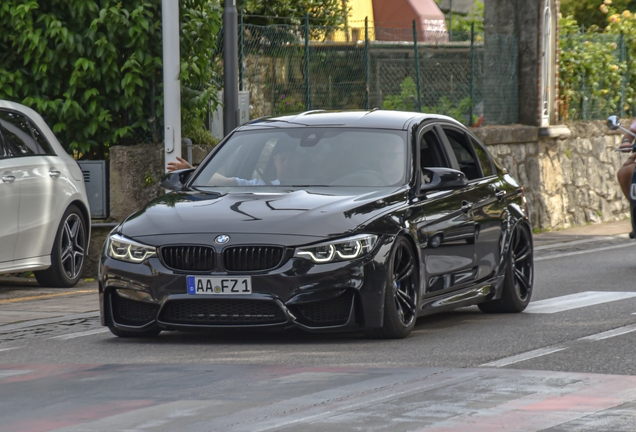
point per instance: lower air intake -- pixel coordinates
(221, 312)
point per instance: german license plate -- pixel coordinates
(219, 285)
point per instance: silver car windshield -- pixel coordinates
(308, 157)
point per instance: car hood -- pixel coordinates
(316, 213)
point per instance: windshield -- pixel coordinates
(308, 157)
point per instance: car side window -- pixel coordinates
(3, 152)
(17, 134)
(484, 158)
(468, 163)
(431, 151)
(43, 144)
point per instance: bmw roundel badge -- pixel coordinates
(222, 239)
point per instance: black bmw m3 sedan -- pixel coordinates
(324, 221)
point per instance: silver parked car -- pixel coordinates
(44, 211)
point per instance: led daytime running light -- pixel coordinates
(339, 250)
(123, 249)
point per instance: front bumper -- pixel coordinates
(339, 296)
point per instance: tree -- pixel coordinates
(266, 12)
(93, 69)
(588, 12)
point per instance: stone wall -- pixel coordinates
(569, 172)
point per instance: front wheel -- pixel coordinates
(519, 275)
(401, 293)
(68, 253)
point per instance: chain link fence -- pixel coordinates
(289, 69)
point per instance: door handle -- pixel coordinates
(500, 194)
(466, 206)
(54, 173)
(8, 178)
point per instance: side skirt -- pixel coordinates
(488, 290)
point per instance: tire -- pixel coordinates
(519, 275)
(69, 252)
(401, 293)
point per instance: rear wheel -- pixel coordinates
(519, 275)
(401, 293)
(68, 253)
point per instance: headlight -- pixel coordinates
(338, 250)
(123, 249)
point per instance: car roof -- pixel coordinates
(374, 119)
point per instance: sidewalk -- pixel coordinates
(584, 231)
(23, 300)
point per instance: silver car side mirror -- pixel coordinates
(612, 122)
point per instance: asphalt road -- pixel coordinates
(567, 364)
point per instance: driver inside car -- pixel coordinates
(283, 157)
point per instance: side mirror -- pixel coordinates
(612, 122)
(438, 179)
(175, 180)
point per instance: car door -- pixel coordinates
(483, 194)
(42, 186)
(445, 225)
(9, 206)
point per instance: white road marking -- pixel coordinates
(8, 349)
(567, 254)
(610, 333)
(8, 373)
(80, 334)
(575, 301)
(523, 356)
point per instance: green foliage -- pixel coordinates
(462, 25)
(199, 134)
(266, 12)
(624, 24)
(149, 180)
(459, 111)
(407, 101)
(591, 71)
(588, 12)
(288, 105)
(94, 69)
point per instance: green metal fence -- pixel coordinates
(295, 68)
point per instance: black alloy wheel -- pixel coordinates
(400, 307)
(519, 275)
(69, 252)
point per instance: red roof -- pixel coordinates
(393, 20)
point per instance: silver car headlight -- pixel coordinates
(338, 250)
(124, 249)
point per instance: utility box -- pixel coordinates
(97, 187)
(216, 125)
